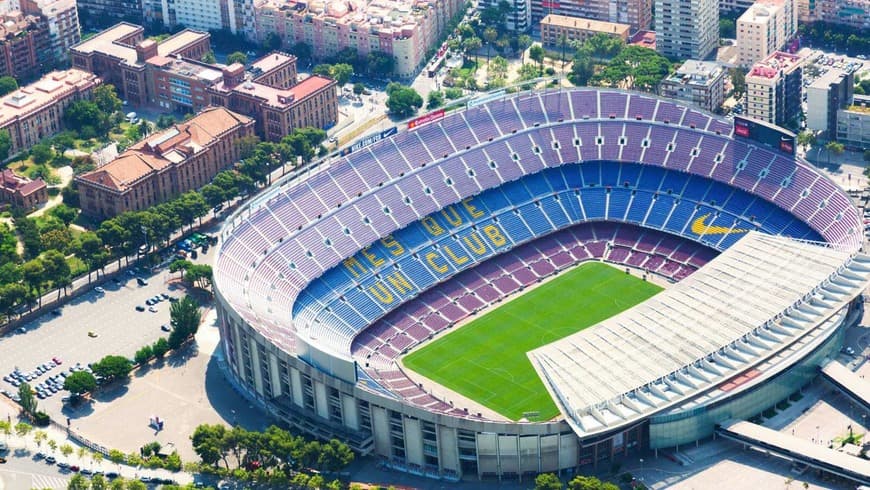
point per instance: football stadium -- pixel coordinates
(538, 281)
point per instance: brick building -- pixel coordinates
(553, 27)
(312, 102)
(35, 111)
(166, 164)
(119, 55)
(21, 192)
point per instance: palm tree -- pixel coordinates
(490, 35)
(523, 43)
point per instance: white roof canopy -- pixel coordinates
(750, 302)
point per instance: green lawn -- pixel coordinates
(486, 359)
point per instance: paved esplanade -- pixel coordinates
(798, 449)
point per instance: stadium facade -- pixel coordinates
(323, 283)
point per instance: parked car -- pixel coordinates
(140, 308)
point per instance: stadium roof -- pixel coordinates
(751, 302)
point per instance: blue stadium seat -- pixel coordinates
(593, 200)
(554, 211)
(661, 207)
(640, 204)
(619, 199)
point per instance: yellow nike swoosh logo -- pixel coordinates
(699, 227)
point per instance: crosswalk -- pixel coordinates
(48, 481)
(16, 480)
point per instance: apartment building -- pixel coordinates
(773, 89)
(765, 27)
(405, 30)
(826, 96)
(166, 164)
(62, 20)
(554, 27)
(853, 123)
(21, 192)
(519, 17)
(852, 13)
(23, 44)
(120, 53)
(635, 13)
(701, 83)
(687, 29)
(277, 109)
(102, 12)
(35, 112)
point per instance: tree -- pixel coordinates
(80, 382)
(302, 51)
(113, 367)
(273, 41)
(213, 195)
(404, 101)
(536, 53)
(237, 57)
(78, 482)
(524, 41)
(185, 317)
(22, 429)
(106, 99)
(435, 100)
(341, 72)
(727, 29)
(160, 348)
(64, 213)
(806, 139)
(334, 455)
(208, 443)
(209, 58)
(489, 35)
(359, 88)
(56, 270)
(635, 67)
(7, 85)
(834, 148)
(66, 450)
(380, 63)
(547, 481)
(28, 398)
(39, 436)
(34, 276)
(471, 45)
(738, 80)
(5, 144)
(98, 482)
(143, 355)
(41, 153)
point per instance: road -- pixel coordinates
(25, 473)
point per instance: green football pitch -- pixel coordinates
(486, 361)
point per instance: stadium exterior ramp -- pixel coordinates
(746, 306)
(852, 385)
(797, 449)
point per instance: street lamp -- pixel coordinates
(641, 469)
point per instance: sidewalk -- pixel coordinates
(25, 447)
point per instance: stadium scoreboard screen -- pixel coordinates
(765, 133)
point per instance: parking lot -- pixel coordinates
(88, 328)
